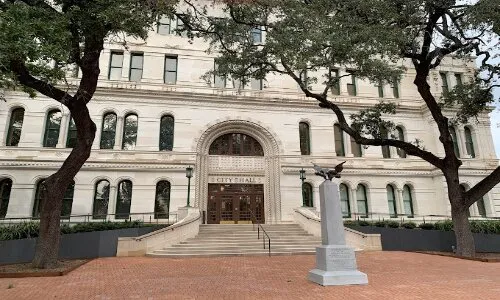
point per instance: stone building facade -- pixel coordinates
(156, 116)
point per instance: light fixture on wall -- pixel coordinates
(189, 174)
(303, 178)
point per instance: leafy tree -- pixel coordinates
(40, 41)
(375, 40)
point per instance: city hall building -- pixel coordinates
(156, 117)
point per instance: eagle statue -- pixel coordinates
(328, 174)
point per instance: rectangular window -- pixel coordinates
(351, 87)
(257, 35)
(336, 85)
(163, 25)
(115, 66)
(458, 78)
(136, 64)
(219, 81)
(181, 29)
(170, 76)
(256, 84)
(395, 87)
(444, 81)
(380, 87)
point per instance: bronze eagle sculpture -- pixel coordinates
(327, 173)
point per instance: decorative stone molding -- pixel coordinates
(271, 146)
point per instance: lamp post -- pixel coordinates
(189, 174)
(303, 177)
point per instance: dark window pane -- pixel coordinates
(469, 143)
(52, 126)
(407, 201)
(170, 75)
(5, 189)
(481, 208)
(453, 134)
(339, 140)
(391, 199)
(307, 191)
(356, 148)
(458, 78)
(101, 200)
(162, 200)
(257, 35)
(68, 201)
(344, 201)
(237, 144)
(362, 200)
(72, 135)
(15, 127)
(305, 142)
(108, 132)
(123, 199)
(400, 137)
(336, 85)
(115, 66)
(167, 133)
(444, 82)
(386, 150)
(130, 132)
(351, 87)
(136, 65)
(163, 25)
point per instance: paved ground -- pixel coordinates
(392, 275)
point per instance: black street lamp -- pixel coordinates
(189, 174)
(303, 177)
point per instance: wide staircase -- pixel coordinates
(239, 240)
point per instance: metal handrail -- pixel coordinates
(264, 235)
(145, 217)
(409, 217)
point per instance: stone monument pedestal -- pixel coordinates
(335, 261)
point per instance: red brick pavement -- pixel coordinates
(391, 275)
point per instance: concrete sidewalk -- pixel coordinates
(391, 275)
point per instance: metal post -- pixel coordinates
(189, 190)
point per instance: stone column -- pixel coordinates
(399, 201)
(461, 143)
(63, 131)
(112, 202)
(335, 261)
(347, 145)
(119, 133)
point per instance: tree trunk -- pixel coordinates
(463, 234)
(47, 246)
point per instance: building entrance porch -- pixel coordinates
(235, 203)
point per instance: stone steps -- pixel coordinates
(241, 239)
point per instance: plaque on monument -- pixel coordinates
(335, 261)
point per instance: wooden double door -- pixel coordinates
(235, 204)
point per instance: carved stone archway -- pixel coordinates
(270, 164)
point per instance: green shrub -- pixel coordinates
(364, 223)
(380, 223)
(393, 224)
(426, 226)
(444, 225)
(350, 223)
(409, 225)
(30, 229)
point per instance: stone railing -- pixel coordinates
(311, 223)
(187, 227)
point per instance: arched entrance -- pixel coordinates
(238, 173)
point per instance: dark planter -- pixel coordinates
(76, 245)
(401, 239)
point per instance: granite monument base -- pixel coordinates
(336, 265)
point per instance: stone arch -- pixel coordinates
(271, 146)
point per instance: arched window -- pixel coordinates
(72, 135)
(52, 127)
(130, 132)
(469, 143)
(362, 200)
(123, 199)
(453, 134)
(237, 144)
(15, 127)
(408, 201)
(344, 201)
(305, 139)
(386, 150)
(167, 133)
(5, 188)
(401, 137)
(101, 200)
(307, 192)
(67, 200)
(481, 207)
(356, 148)
(391, 200)
(339, 140)
(162, 200)
(108, 131)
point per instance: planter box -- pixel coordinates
(401, 239)
(76, 245)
